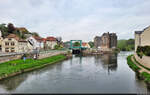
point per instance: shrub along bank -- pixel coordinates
(14, 67)
(143, 75)
(131, 64)
(143, 50)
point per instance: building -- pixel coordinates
(1, 39)
(23, 46)
(50, 42)
(66, 44)
(97, 41)
(106, 42)
(85, 45)
(35, 42)
(142, 38)
(40, 42)
(10, 43)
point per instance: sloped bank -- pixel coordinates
(15, 67)
(141, 72)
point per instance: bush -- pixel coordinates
(143, 50)
(146, 76)
(131, 64)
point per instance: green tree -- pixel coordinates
(58, 47)
(91, 44)
(35, 34)
(11, 28)
(76, 44)
(4, 30)
(126, 45)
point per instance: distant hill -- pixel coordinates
(19, 31)
(126, 45)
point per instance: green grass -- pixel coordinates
(146, 76)
(18, 65)
(131, 64)
(141, 64)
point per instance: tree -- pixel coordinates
(58, 47)
(35, 34)
(76, 44)
(11, 28)
(4, 30)
(59, 40)
(91, 44)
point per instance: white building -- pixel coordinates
(50, 42)
(36, 42)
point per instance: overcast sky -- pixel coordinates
(77, 19)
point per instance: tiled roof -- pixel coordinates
(13, 36)
(21, 40)
(51, 39)
(39, 39)
(146, 28)
(138, 32)
(84, 43)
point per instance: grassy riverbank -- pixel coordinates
(18, 66)
(131, 64)
(143, 75)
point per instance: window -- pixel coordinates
(12, 50)
(6, 43)
(12, 43)
(6, 49)
(9, 39)
(0, 47)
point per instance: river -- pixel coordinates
(108, 73)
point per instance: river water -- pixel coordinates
(108, 73)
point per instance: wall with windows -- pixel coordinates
(23, 46)
(143, 38)
(10, 45)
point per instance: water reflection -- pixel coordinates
(105, 73)
(14, 82)
(109, 61)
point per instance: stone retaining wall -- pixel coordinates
(145, 60)
(9, 58)
(44, 55)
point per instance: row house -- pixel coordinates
(12, 43)
(50, 42)
(142, 38)
(36, 42)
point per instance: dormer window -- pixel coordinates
(9, 39)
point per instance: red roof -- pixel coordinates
(13, 36)
(39, 39)
(50, 39)
(84, 43)
(44, 39)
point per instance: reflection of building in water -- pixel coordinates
(109, 61)
(13, 82)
